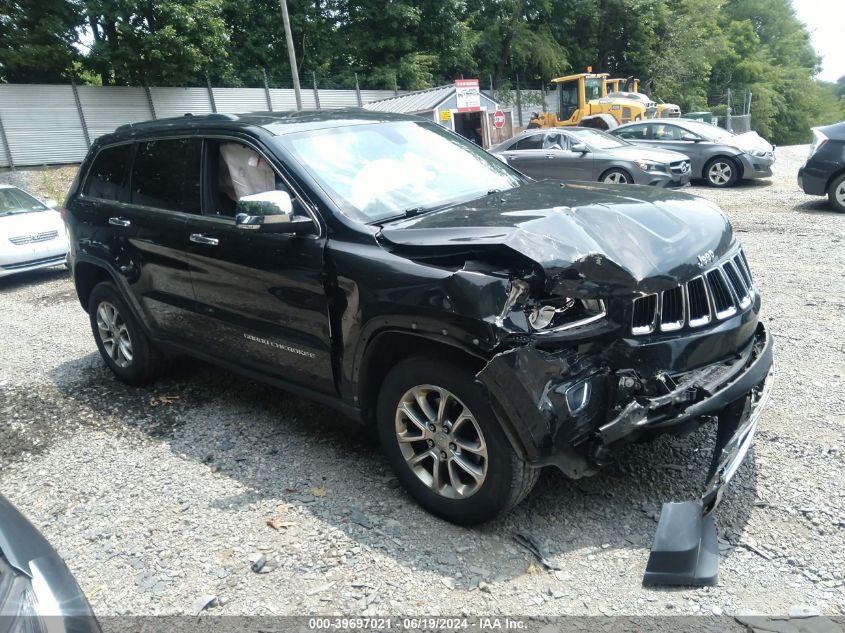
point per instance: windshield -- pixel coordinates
(16, 201)
(596, 139)
(708, 131)
(383, 170)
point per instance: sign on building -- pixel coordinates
(468, 95)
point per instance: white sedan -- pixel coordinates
(32, 233)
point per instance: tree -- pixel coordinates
(38, 40)
(156, 43)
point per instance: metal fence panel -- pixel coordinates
(339, 99)
(237, 100)
(42, 124)
(170, 102)
(4, 156)
(376, 95)
(106, 107)
(285, 99)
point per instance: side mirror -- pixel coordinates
(580, 148)
(52, 204)
(271, 212)
(690, 137)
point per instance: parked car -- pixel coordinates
(720, 157)
(481, 324)
(580, 153)
(824, 170)
(32, 234)
(37, 590)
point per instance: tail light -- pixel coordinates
(819, 141)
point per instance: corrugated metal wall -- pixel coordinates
(169, 102)
(106, 107)
(43, 124)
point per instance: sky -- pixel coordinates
(825, 19)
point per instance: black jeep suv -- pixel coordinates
(484, 325)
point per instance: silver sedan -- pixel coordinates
(577, 153)
(720, 157)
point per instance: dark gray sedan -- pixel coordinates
(720, 157)
(577, 153)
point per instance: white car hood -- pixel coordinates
(30, 223)
(752, 141)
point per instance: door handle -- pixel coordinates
(119, 222)
(550, 155)
(199, 238)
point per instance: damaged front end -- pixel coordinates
(573, 397)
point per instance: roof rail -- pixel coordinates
(217, 116)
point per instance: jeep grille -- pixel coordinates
(717, 294)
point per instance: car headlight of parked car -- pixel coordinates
(564, 313)
(38, 594)
(650, 165)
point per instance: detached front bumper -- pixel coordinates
(573, 411)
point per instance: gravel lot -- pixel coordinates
(159, 497)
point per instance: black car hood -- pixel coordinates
(587, 238)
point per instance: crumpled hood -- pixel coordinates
(589, 239)
(752, 141)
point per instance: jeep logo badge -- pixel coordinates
(705, 258)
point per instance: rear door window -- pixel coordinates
(107, 178)
(535, 141)
(634, 133)
(166, 174)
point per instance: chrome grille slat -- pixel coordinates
(645, 315)
(737, 283)
(723, 300)
(20, 240)
(717, 294)
(672, 309)
(698, 302)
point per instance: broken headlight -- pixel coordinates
(565, 313)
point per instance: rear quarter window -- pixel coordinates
(107, 178)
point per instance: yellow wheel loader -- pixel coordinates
(583, 100)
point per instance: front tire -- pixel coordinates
(445, 444)
(124, 346)
(721, 172)
(617, 177)
(836, 193)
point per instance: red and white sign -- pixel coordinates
(499, 120)
(468, 95)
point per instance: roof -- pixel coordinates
(277, 123)
(419, 101)
(559, 80)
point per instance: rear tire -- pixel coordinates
(455, 460)
(124, 346)
(721, 172)
(616, 176)
(836, 193)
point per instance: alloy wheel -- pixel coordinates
(114, 334)
(617, 178)
(839, 194)
(441, 441)
(720, 173)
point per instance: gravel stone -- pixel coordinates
(115, 478)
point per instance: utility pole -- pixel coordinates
(294, 71)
